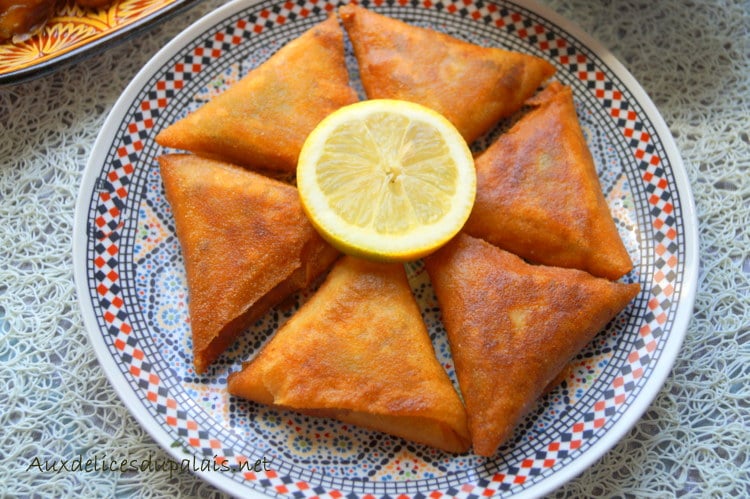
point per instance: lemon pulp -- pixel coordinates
(386, 179)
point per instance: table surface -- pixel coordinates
(691, 57)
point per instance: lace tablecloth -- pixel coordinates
(692, 58)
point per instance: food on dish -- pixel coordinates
(359, 351)
(538, 193)
(246, 244)
(262, 120)
(513, 327)
(21, 19)
(386, 179)
(472, 86)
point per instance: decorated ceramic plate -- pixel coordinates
(74, 32)
(133, 293)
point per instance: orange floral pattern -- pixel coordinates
(73, 27)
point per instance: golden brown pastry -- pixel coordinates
(262, 120)
(538, 193)
(358, 351)
(513, 327)
(246, 245)
(20, 19)
(472, 86)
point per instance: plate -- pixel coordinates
(132, 289)
(74, 32)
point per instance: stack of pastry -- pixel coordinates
(527, 285)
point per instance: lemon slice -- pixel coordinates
(386, 180)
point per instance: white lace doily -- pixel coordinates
(692, 58)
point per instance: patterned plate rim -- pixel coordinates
(97, 43)
(681, 313)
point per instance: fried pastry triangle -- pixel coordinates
(262, 120)
(358, 351)
(538, 193)
(246, 245)
(473, 86)
(513, 327)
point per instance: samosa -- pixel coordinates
(539, 196)
(513, 327)
(246, 244)
(261, 121)
(359, 351)
(473, 86)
